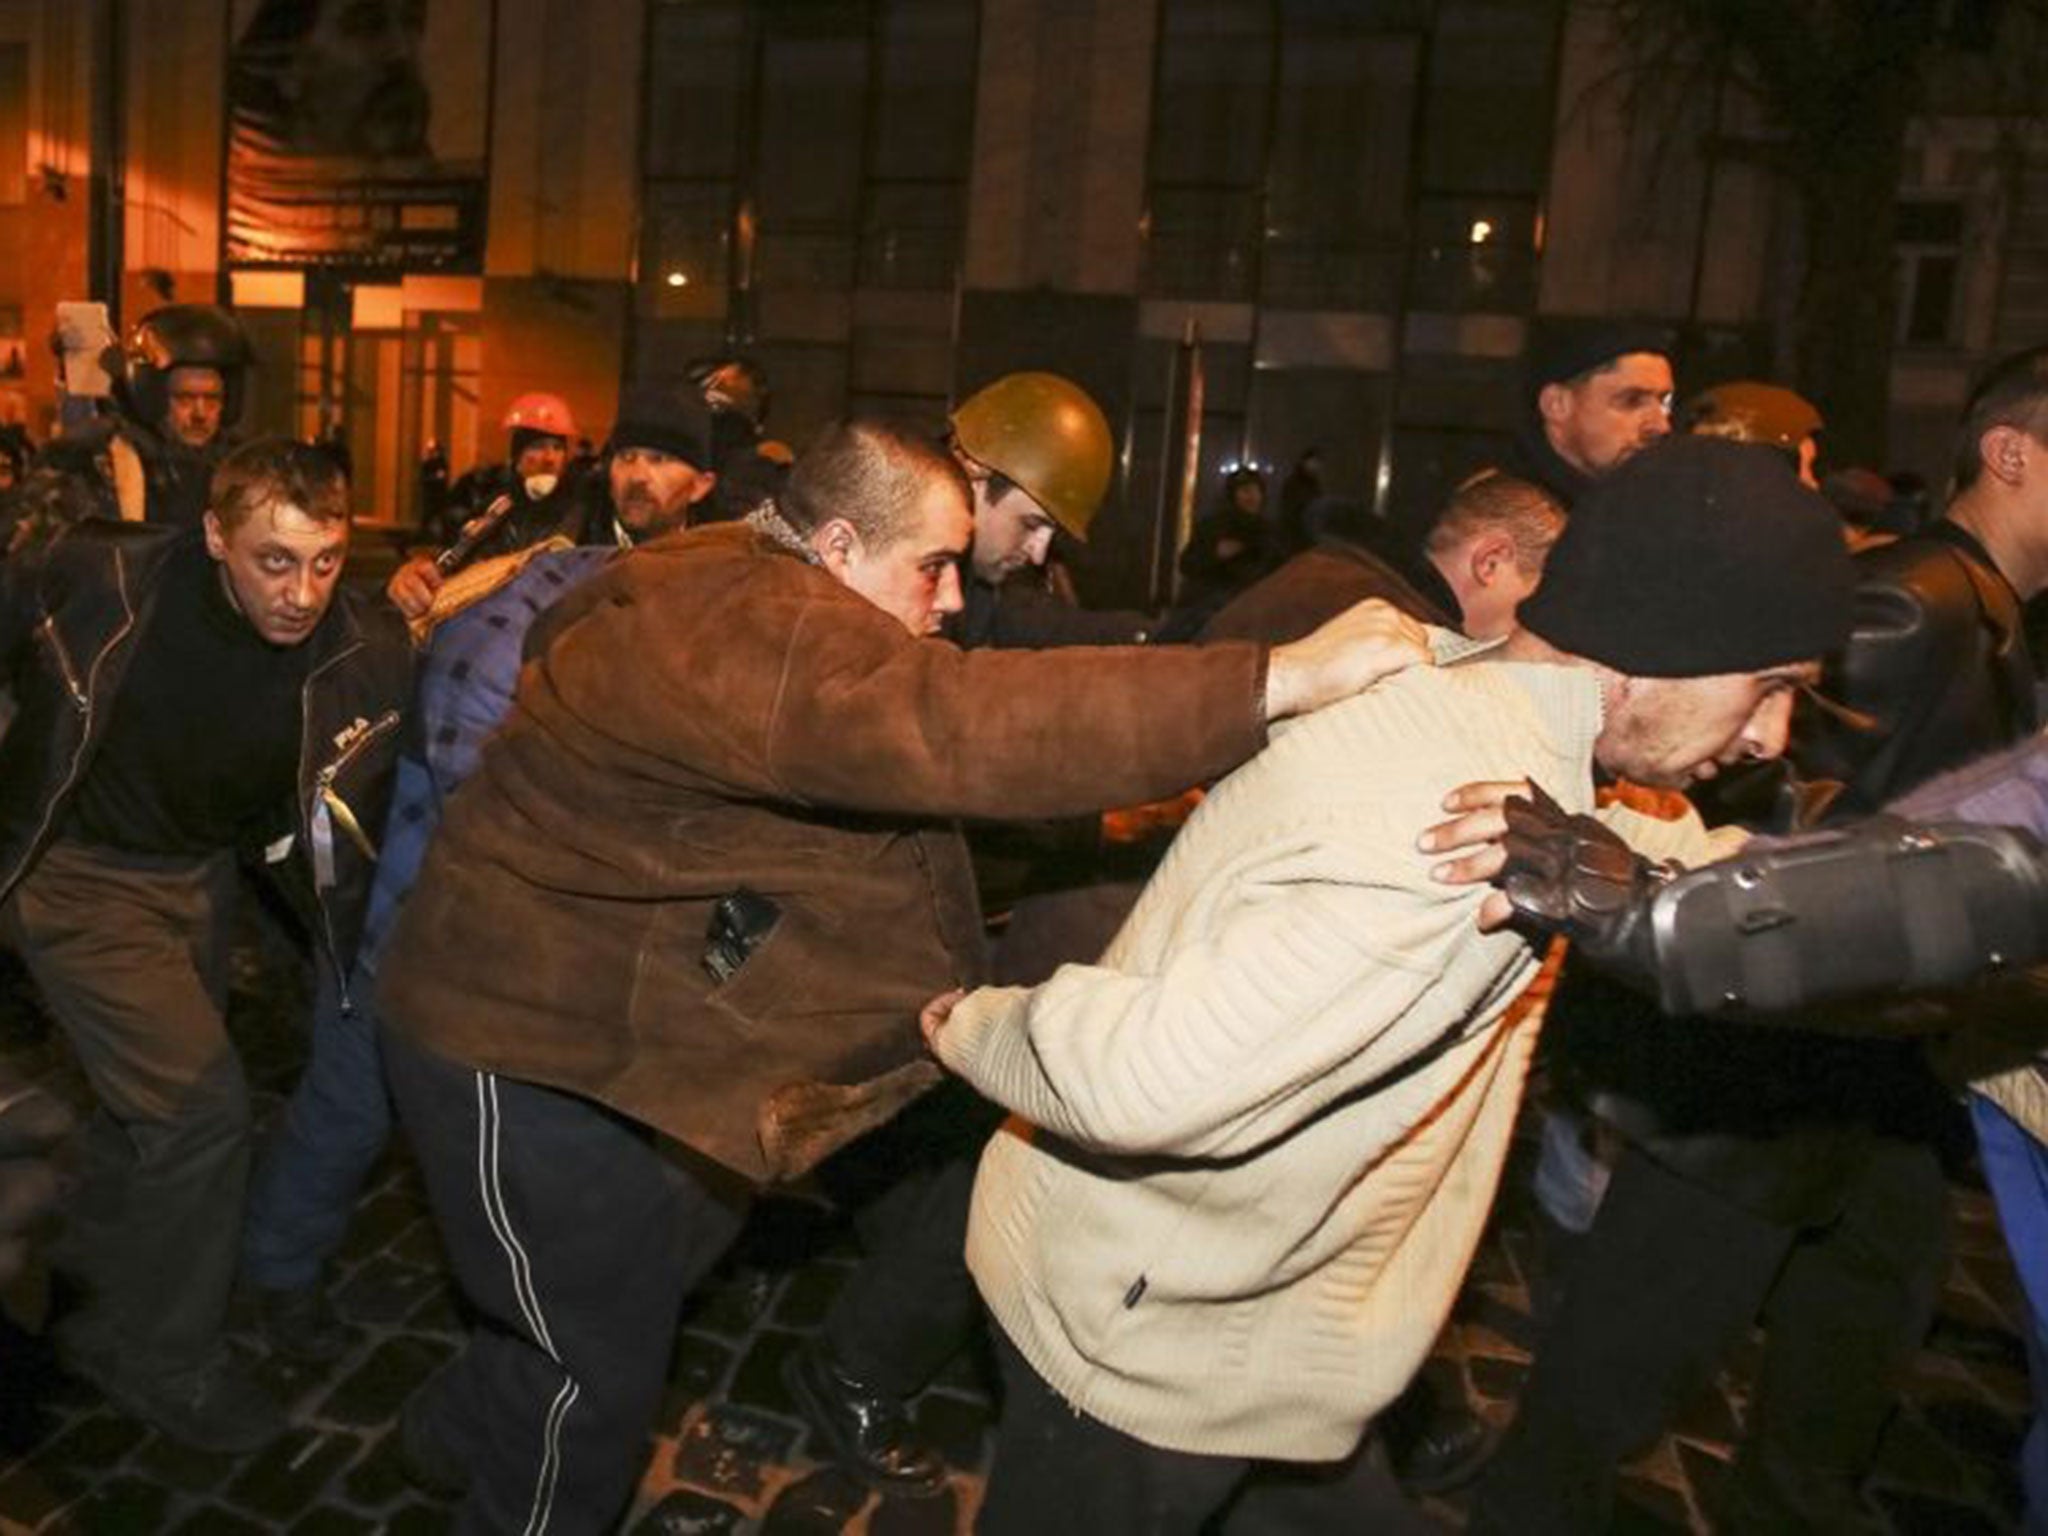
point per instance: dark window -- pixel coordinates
(800, 153)
(697, 77)
(1474, 254)
(1338, 180)
(1930, 247)
(1211, 114)
(1931, 300)
(1487, 124)
(686, 231)
(1930, 223)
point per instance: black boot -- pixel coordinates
(1434, 1445)
(864, 1430)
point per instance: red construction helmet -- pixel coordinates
(542, 413)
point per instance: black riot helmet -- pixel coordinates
(182, 336)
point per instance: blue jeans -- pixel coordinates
(2016, 1168)
(327, 1137)
(1570, 1180)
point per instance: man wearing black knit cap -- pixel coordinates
(1268, 1124)
(658, 465)
(1792, 1173)
(1597, 392)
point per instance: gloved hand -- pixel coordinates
(1570, 875)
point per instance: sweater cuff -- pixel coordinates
(964, 1039)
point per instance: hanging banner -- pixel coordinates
(358, 133)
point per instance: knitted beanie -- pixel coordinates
(671, 421)
(1695, 557)
(1564, 349)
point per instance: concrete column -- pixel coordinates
(564, 205)
(176, 94)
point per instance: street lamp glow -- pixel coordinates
(1482, 231)
(678, 280)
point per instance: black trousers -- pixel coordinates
(911, 1305)
(576, 1239)
(1670, 1276)
(1057, 1469)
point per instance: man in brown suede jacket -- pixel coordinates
(699, 886)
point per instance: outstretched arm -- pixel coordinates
(1885, 906)
(1325, 966)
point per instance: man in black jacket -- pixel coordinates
(1037, 455)
(185, 697)
(1788, 1172)
(1482, 555)
(1596, 393)
(176, 399)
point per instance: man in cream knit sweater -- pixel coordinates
(1254, 1147)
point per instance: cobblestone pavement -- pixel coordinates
(731, 1456)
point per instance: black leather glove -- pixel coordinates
(1570, 875)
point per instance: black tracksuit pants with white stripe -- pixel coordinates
(576, 1240)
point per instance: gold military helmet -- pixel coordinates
(1753, 412)
(1044, 433)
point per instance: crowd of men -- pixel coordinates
(704, 727)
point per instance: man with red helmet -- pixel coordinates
(499, 508)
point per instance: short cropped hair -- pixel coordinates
(276, 472)
(872, 475)
(2014, 393)
(1529, 515)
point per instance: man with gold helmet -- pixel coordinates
(1750, 411)
(1039, 454)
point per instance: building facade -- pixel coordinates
(1343, 216)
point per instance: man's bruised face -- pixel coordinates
(915, 578)
(653, 491)
(1674, 732)
(279, 568)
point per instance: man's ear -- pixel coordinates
(216, 536)
(2004, 450)
(1489, 557)
(836, 545)
(1554, 403)
(707, 482)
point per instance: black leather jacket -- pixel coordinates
(71, 617)
(1937, 661)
